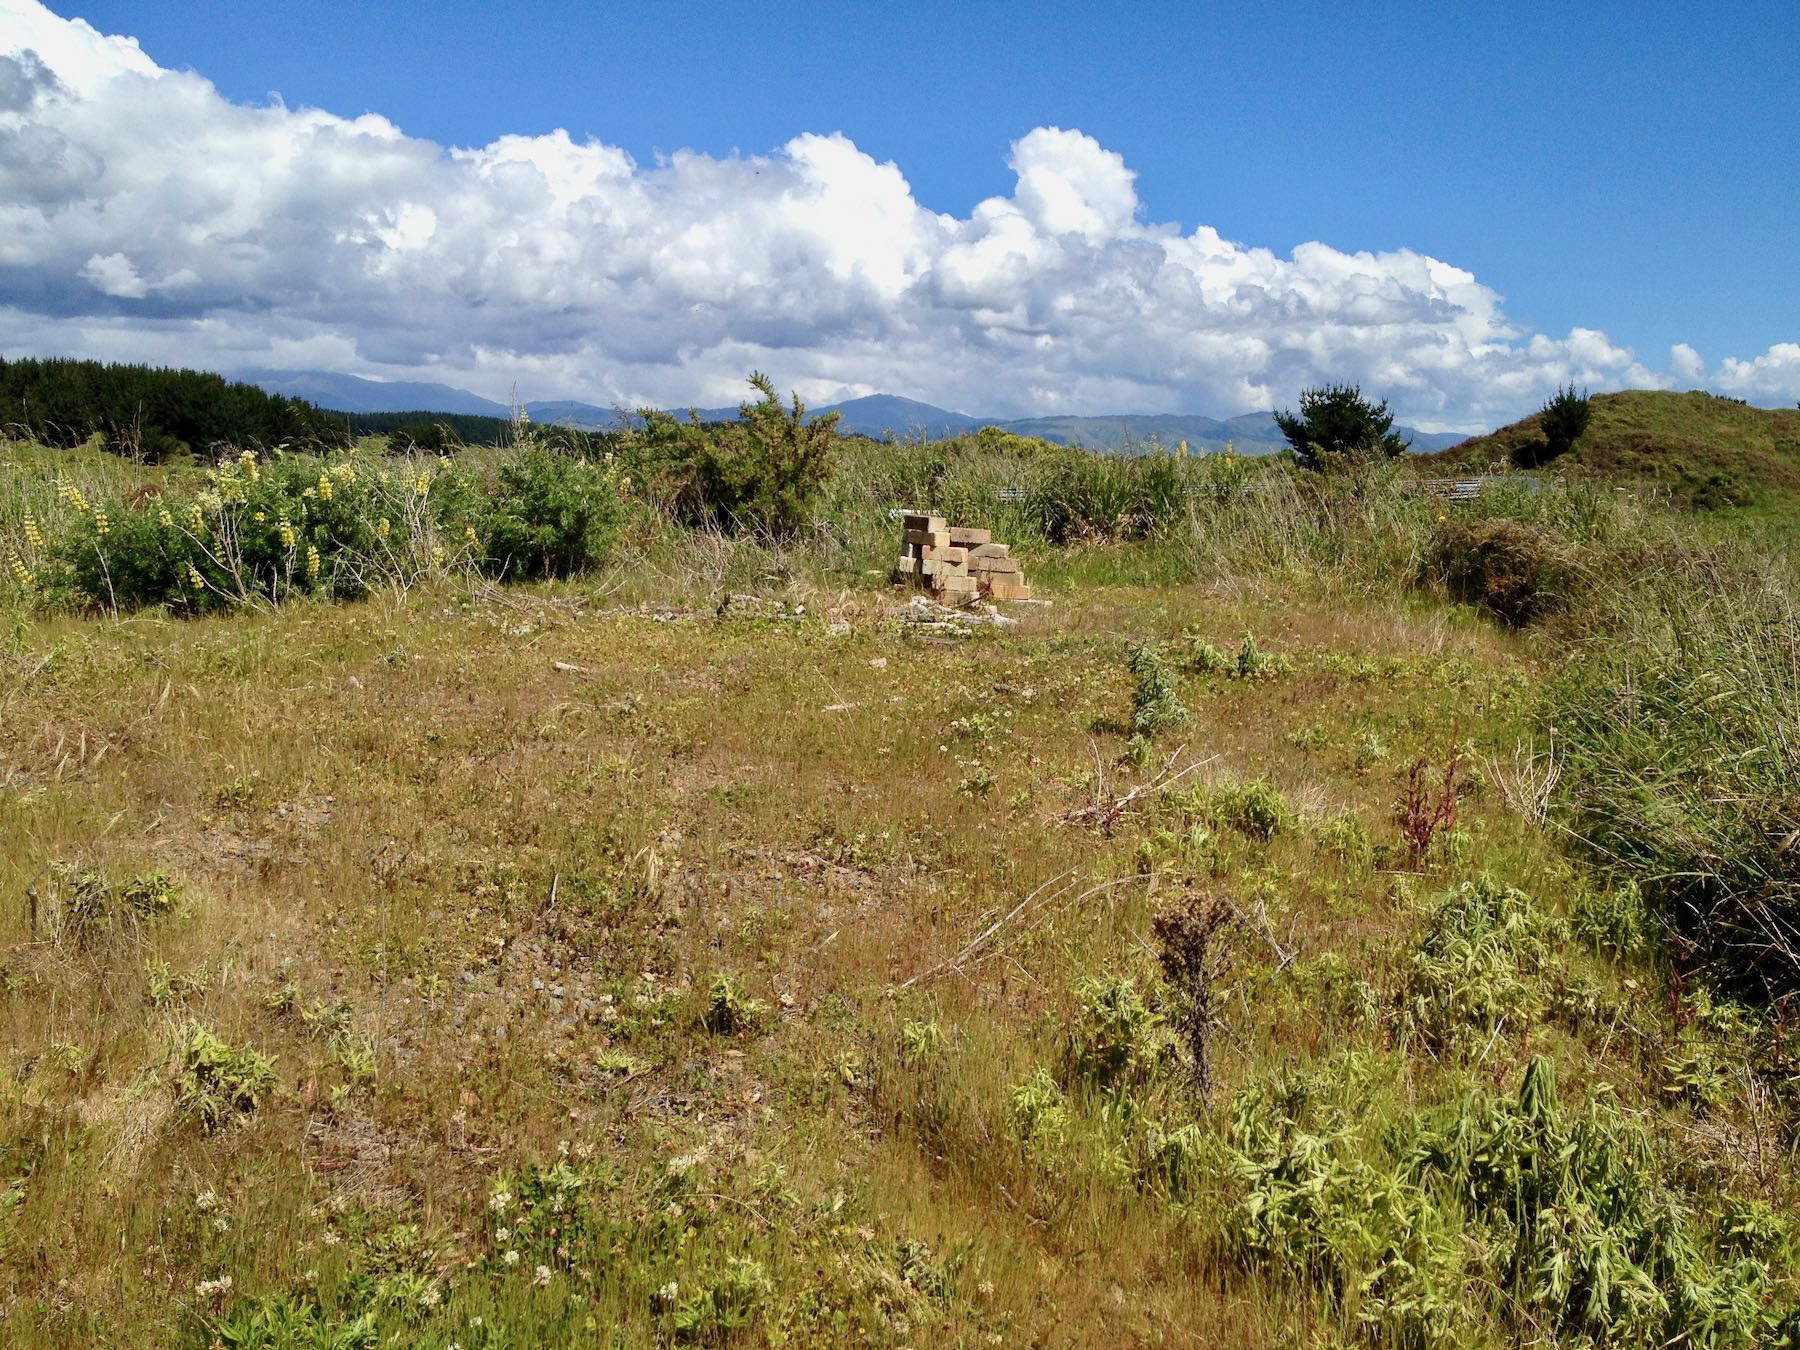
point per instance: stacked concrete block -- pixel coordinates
(957, 562)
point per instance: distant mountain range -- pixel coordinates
(875, 415)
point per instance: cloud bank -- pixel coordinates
(143, 216)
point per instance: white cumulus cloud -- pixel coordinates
(145, 216)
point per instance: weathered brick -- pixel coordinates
(969, 535)
(928, 538)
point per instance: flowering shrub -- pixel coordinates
(261, 531)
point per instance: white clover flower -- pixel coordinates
(499, 1200)
(511, 1258)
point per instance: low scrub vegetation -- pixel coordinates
(1341, 915)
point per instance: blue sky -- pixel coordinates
(1628, 171)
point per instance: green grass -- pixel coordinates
(591, 961)
(1696, 450)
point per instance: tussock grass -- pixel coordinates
(1679, 736)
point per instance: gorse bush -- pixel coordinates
(763, 473)
(550, 515)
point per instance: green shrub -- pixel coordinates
(551, 515)
(727, 1301)
(1562, 419)
(1206, 659)
(1255, 664)
(1256, 809)
(729, 1011)
(276, 1322)
(1155, 705)
(1345, 836)
(1040, 1114)
(1337, 426)
(1479, 962)
(1115, 1038)
(1563, 1226)
(1614, 920)
(921, 1044)
(216, 1082)
(1516, 572)
(1313, 1207)
(762, 474)
(1582, 1230)
(82, 909)
(1250, 662)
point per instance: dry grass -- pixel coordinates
(512, 837)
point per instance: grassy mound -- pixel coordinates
(1703, 451)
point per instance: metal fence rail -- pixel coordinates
(1444, 489)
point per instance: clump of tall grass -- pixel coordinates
(1364, 527)
(1679, 732)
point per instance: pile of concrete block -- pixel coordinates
(956, 562)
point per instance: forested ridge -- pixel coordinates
(153, 412)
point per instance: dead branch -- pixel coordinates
(1051, 898)
(1106, 810)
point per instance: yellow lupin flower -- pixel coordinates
(312, 562)
(21, 573)
(32, 534)
(194, 578)
(344, 474)
(324, 487)
(423, 484)
(247, 461)
(101, 524)
(381, 529)
(286, 531)
(260, 516)
(469, 534)
(164, 519)
(72, 494)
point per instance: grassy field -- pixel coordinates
(705, 950)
